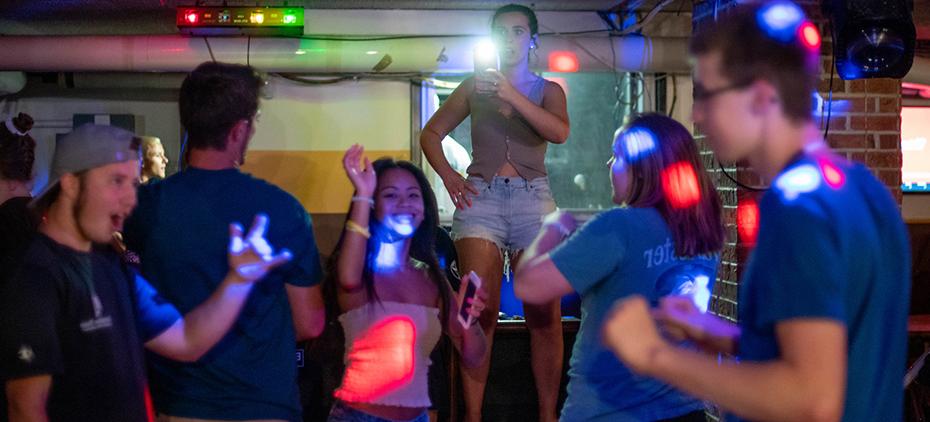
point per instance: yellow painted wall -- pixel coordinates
(333, 117)
(316, 178)
(304, 130)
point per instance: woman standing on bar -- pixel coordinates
(514, 115)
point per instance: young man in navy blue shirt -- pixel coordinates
(824, 300)
(252, 373)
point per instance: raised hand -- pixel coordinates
(251, 258)
(363, 177)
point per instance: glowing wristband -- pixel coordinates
(367, 199)
(355, 227)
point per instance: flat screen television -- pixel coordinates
(915, 132)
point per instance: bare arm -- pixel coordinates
(536, 279)
(307, 310)
(807, 382)
(27, 398)
(452, 112)
(549, 120)
(351, 262)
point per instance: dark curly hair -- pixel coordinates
(17, 155)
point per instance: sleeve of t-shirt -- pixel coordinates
(799, 267)
(591, 253)
(154, 314)
(30, 308)
(305, 269)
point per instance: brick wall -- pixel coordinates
(864, 126)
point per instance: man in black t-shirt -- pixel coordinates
(73, 318)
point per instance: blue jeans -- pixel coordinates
(507, 211)
(342, 413)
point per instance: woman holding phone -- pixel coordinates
(394, 300)
(515, 114)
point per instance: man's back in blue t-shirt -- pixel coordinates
(180, 228)
(832, 245)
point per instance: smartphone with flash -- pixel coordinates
(473, 283)
(486, 58)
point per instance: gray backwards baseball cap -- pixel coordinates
(85, 148)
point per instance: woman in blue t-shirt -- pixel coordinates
(663, 240)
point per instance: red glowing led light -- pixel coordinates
(747, 221)
(191, 17)
(563, 61)
(380, 361)
(834, 176)
(680, 183)
(810, 36)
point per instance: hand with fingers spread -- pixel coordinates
(359, 170)
(251, 258)
(459, 190)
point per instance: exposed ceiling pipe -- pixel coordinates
(172, 53)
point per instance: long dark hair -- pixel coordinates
(422, 245)
(651, 144)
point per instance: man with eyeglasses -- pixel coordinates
(823, 303)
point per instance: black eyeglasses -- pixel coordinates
(704, 94)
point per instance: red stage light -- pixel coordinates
(680, 184)
(563, 61)
(747, 220)
(191, 17)
(834, 176)
(810, 37)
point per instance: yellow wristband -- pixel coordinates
(355, 227)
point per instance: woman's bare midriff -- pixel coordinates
(388, 412)
(507, 170)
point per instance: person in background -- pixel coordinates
(515, 114)
(822, 330)
(17, 223)
(154, 160)
(392, 294)
(665, 240)
(74, 318)
(176, 229)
